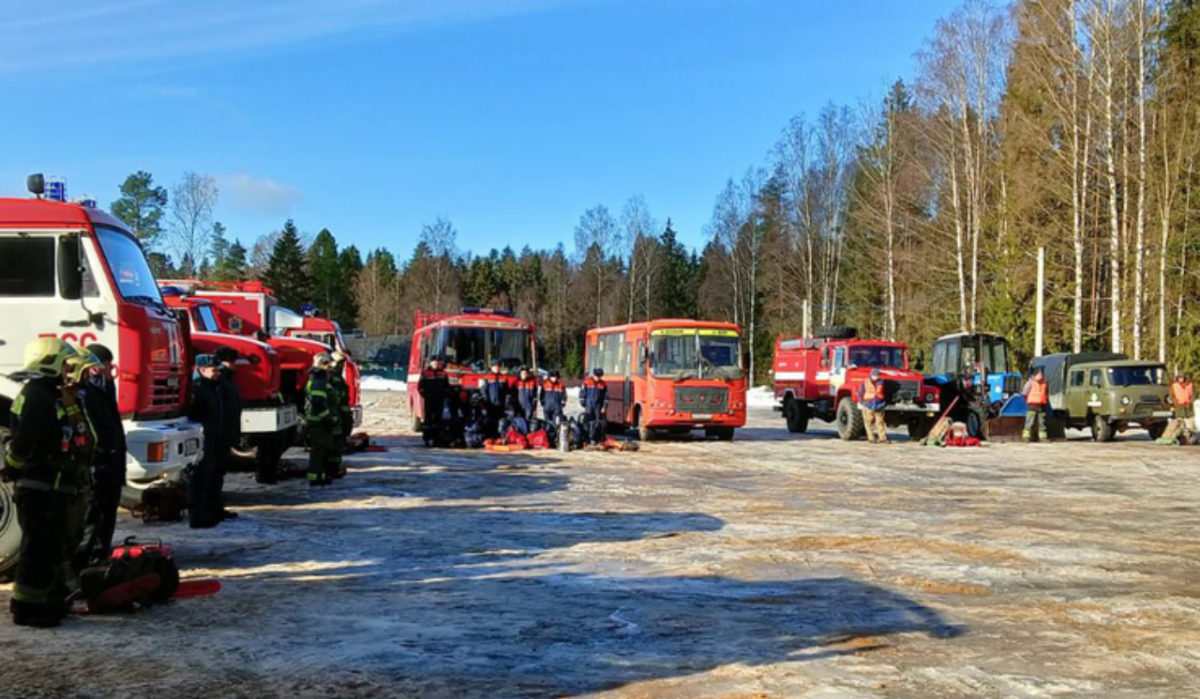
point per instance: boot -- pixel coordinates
(1025, 436)
(38, 616)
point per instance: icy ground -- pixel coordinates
(772, 566)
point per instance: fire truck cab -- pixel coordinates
(820, 377)
(77, 273)
(267, 419)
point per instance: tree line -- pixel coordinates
(1069, 125)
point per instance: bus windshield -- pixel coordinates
(129, 268)
(881, 357)
(686, 353)
(475, 348)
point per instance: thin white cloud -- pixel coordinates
(85, 32)
(256, 195)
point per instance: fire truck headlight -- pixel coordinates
(930, 397)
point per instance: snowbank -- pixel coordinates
(378, 383)
(761, 397)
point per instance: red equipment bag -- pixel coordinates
(538, 440)
(137, 574)
(515, 438)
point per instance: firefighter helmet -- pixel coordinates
(79, 364)
(323, 361)
(46, 356)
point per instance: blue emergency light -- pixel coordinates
(308, 309)
(56, 190)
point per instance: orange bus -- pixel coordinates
(671, 376)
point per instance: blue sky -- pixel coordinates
(371, 117)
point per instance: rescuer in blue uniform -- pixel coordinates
(553, 398)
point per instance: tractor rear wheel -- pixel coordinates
(976, 421)
(849, 421)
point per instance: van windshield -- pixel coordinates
(129, 268)
(1134, 375)
(475, 348)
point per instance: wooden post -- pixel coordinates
(1040, 335)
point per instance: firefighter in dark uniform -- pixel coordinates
(204, 498)
(77, 372)
(40, 463)
(593, 396)
(525, 397)
(496, 391)
(108, 464)
(321, 419)
(231, 423)
(341, 405)
(553, 398)
(434, 389)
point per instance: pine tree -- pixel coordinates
(330, 289)
(350, 264)
(141, 206)
(679, 278)
(287, 272)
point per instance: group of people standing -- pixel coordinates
(447, 407)
(66, 461)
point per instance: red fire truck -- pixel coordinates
(75, 272)
(469, 341)
(672, 376)
(819, 378)
(251, 309)
(268, 421)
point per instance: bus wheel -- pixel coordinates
(724, 434)
(644, 434)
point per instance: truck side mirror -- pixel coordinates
(70, 271)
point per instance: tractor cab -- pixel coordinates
(975, 369)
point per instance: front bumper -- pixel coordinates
(697, 420)
(931, 408)
(179, 443)
(269, 420)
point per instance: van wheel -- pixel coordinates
(796, 414)
(850, 421)
(1102, 429)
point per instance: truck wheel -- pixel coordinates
(836, 332)
(849, 421)
(10, 533)
(918, 428)
(796, 414)
(1102, 429)
(1156, 430)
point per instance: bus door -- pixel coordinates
(616, 375)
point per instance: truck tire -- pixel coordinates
(10, 528)
(849, 421)
(796, 414)
(918, 428)
(1102, 429)
(837, 332)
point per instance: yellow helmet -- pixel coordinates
(46, 356)
(323, 361)
(79, 364)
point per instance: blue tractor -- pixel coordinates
(973, 368)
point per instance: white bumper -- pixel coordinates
(183, 445)
(269, 420)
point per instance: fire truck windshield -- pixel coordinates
(129, 267)
(687, 353)
(475, 348)
(881, 357)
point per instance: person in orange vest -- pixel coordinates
(1184, 394)
(1037, 406)
(526, 394)
(553, 398)
(872, 398)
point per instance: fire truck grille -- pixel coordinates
(902, 391)
(164, 393)
(701, 399)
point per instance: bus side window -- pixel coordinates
(640, 358)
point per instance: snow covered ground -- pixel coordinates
(773, 566)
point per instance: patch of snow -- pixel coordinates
(761, 397)
(378, 383)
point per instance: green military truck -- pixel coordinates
(1107, 392)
